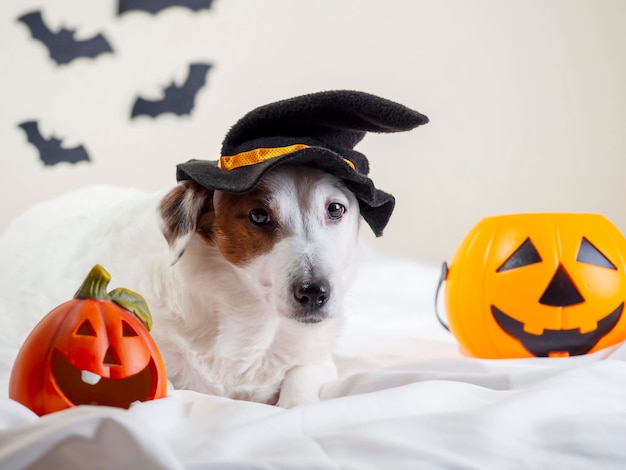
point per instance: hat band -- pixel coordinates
(252, 157)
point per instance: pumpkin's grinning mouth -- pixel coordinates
(572, 341)
(86, 388)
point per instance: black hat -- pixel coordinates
(318, 130)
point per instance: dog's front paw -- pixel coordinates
(302, 384)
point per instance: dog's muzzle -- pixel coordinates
(311, 296)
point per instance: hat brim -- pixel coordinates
(376, 206)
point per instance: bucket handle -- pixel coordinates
(442, 278)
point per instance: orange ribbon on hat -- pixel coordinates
(251, 157)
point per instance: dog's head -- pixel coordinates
(291, 240)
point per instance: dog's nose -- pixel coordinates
(312, 294)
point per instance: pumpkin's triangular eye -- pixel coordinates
(86, 329)
(128, 330)
(526, 254)
(589, 254)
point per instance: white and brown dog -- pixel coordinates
(244, 263)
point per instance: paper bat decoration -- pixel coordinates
(50, 150)
(177, 99)
(155, 6)
(62, 46)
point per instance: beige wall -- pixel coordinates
(526, 98)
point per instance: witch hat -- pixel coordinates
(318, 130)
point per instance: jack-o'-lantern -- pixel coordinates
(94, 349)
(538, 285)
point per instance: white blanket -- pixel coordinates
(406, 398)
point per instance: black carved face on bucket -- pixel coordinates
(562, 292)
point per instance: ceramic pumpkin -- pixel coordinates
(94, 349)
(538, 285)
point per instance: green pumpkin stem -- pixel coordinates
(95, 285)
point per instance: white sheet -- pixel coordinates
(406, 398)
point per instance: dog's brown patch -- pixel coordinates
(188, 208)
(238, 239)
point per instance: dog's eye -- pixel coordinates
(259, 216)
(336, 210)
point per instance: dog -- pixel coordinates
(278, 260)
(246, 290)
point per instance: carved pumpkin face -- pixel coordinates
(541, 285)
(89, 350)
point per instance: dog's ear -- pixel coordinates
(180, 211)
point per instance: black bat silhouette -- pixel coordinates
(62, 46)
(50, 150)
(177, 100)
(155, 6)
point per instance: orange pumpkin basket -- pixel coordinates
(538, 285)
